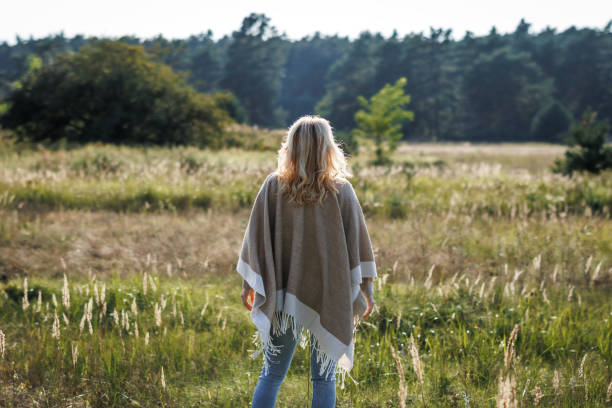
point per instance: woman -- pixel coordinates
(307, 262)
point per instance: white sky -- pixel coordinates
(181, 18)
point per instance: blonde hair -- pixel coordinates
(310, 162)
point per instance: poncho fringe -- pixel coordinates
(283, 321)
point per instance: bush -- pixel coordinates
(112, 92)
(551, 123)
(590, 154)
(382, 118)
(228, 102)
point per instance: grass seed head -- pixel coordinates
(555, 383)
(2, 344)
(163, 379)
(116, 317)
(82, 323)
(416, 360)
(506, 392)
(39, 302)
(402, 392)
(89, 308)
(65, 293)
(103, 294)
(25, 301)
(96, 293)
(581, 367)
(55, 331)
(134, 307)
(75, 354)
(152, 284)
(510, 349)
(537, 395)
(158, 316)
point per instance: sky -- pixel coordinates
(182, 18)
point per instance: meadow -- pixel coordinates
(118, 283)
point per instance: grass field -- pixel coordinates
(117, 265)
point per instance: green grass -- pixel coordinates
(177, 179)
(460, 329)
(469, 242)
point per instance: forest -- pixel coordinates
(492, 88)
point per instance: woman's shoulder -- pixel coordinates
(343, 184)
(272, 177)
(345, 192)
(271, 181)
(343, 181)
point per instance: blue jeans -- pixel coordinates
(266, 391)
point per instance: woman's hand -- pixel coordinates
(246, 295)
(368, 292)
(371, 303)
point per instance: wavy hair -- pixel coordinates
(310, 161)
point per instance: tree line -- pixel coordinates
(498, 87)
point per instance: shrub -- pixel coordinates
(116, 93)
(382, 117)
(588, 136)
(228, 102)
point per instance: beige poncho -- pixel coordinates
(306, 265)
